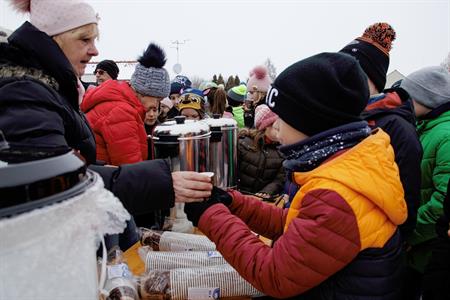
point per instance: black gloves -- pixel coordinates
(220, 196)
(194, 210)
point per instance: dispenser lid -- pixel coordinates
(37, 166)
(32, 179)
(181, 128)
(220, 122)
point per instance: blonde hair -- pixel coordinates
(85, 31)
(255, 134)
(261, 98)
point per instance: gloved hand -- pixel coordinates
(221, 196)
(194, 210)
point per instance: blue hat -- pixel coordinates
(176, 88)
(194, 91)
(183, 80)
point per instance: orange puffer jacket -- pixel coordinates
(345, 215)
(116, 116)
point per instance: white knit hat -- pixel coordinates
(57, 16)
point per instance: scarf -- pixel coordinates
(310, 153)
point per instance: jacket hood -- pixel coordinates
(381, 185)
(435, 113)
(33, 49)
(427, 124)
(111, 91)
(393, 101)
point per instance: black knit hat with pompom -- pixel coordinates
(372, 52)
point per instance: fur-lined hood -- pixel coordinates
(33, 54)
(20, 72)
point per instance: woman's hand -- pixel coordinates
(191, 186)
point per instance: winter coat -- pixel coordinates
(394, 113)
(116, 116)
(154, 219)
(436, 280)
(39, 95)
(39, 110)
(172, 113)
(434, 134)
(238, 115)
(339, 238)
(151, 145)
(142, 187)
(260, 170)
(249, 117)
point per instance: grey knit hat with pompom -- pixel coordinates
(149, 77)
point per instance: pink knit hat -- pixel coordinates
(259, 78)
(57, 16)
(264, 117)
(167, 102)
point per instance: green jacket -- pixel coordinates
(238, 115)
(434, 136)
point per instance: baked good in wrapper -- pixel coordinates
(175, 241)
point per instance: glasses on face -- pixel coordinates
(99, 72)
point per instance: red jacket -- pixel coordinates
(116, 116)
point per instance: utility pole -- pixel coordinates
(177, 67)
(178, 43)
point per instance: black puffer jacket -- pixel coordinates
(39, 109)
(394, 113)
(260, 171)
(39, 96)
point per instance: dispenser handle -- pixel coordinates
(180, 119)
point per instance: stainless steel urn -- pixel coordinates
(223, 151)
(185, 142)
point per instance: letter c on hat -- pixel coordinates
(273, 92)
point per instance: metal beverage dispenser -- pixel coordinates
(223, 151)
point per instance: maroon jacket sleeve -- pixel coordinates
(319, 242)
(262, 218)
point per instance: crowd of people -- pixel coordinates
(364, 169)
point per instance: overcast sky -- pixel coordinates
(231, 37)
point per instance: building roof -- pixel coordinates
(393, 77)
(4, 33)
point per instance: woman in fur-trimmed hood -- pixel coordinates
(40, 95)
